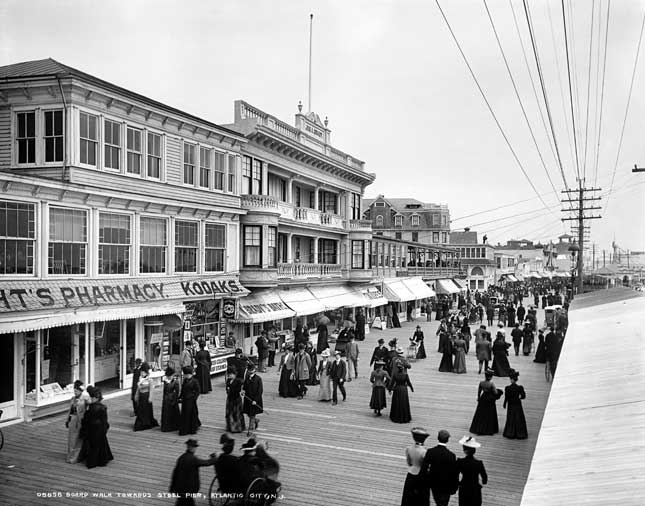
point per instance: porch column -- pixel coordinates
(290, 191)
(289, 248)
(316, 198)
(315, 240)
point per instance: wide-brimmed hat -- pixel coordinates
(325, 352)
(192, 443)
(419, 431)
(399, 350)
(469, 442)
(379, 362)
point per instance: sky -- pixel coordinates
(396, 90)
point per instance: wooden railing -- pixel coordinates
(308, 270)
(360, 225)
(259, 201)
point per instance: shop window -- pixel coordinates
(272, 240)
(358, 254)
(7, 365)
(186, 246)
(154, 156)
(112, 145)
(89, 137)
(252, 246)
(133, 145)
(205, 168)
(114, 243)
(17, 237)
(53, 136)
(67, 241)
(107, 345)
(215, 247)
(204, 319)
(60, 354)
(153, 245)
(26, 137)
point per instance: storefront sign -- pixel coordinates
(228, 308)
(270, 307)
(56, 294)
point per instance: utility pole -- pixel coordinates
(603, 258)
(593, 257)
(580, 218)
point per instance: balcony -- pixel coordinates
(306, 271)
(432, 272)
(261, 203)
(308, 216)
(359, 225)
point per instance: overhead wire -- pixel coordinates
(573, 117)
(574, 76)
(629, 99)
(584, 158)
(602, 95)
(519, 99)
(496, 208)
(490, 109)
(543, 87)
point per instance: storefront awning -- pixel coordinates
(512, 278)
(395, 290)
(263, 306)
(462, 284)
(301, 301)
(372, 296)
(336, 296)
(446, 287)
(418, 287)
(60, 317)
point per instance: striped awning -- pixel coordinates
(263, 306)
(395, 290)
(336, 296)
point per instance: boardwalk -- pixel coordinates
(329, 455)
(598, 396)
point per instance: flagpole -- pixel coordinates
(311, 20)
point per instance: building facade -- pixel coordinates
(477, 259)
(119, 231)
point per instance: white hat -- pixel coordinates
(325, 352)
(469, 442)
(399, 350)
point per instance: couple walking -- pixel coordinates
(437, 470)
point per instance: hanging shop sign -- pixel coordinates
(78, 293)
(228, 308)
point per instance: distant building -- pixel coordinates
(477, 259)
(408, 219)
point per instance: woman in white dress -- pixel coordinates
(324, 392)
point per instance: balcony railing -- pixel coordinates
(312, 217)
(365, 225)
(259, 202)
(431, 271)
(307, 270)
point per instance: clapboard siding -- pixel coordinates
(174, 158)
(5, 137)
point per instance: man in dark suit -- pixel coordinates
(136, 375)
(439, 469)
(253, 391)
(338, 371)
(185, 476)
(552, 345)
(380, 353)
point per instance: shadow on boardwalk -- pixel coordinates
(329, 455)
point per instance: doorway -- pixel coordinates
(8, 377)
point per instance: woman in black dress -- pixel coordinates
(189, 421)
(400, 410)
(313, 370)
(234, 403)
(470, 469)
(379, 379)
(540, 353)
(515, 427)
(501, 366)
(170, 405)
(203, 359)
(485, 419)
(445, 344)
(287, 387)
(418, 338)
(145, 418)
(96, 450)
(323, 335)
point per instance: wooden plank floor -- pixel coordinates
(332, 455)
(593, 434)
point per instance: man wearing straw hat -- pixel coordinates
(470, 491)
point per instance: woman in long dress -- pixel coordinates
(470, 469)
(189, 421)
(459, 366)
(515, 427)
(501, 366)
(96, 450)
(415, 491)
(418, 338)
(313, 370)
(324, 391)
(400, 410)
(323, 335)
(145, 418)
(287, 386)
(446, 349)
(170, 404)
(203, 359)
(234, 404)
(379, 380)
(485, 419)
(77, 410)
(540, 352)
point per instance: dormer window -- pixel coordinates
(379, 221)
(415, 220)
(379, 204)
(398, 220)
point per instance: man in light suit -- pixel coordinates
(439, 470)
(338, 371)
